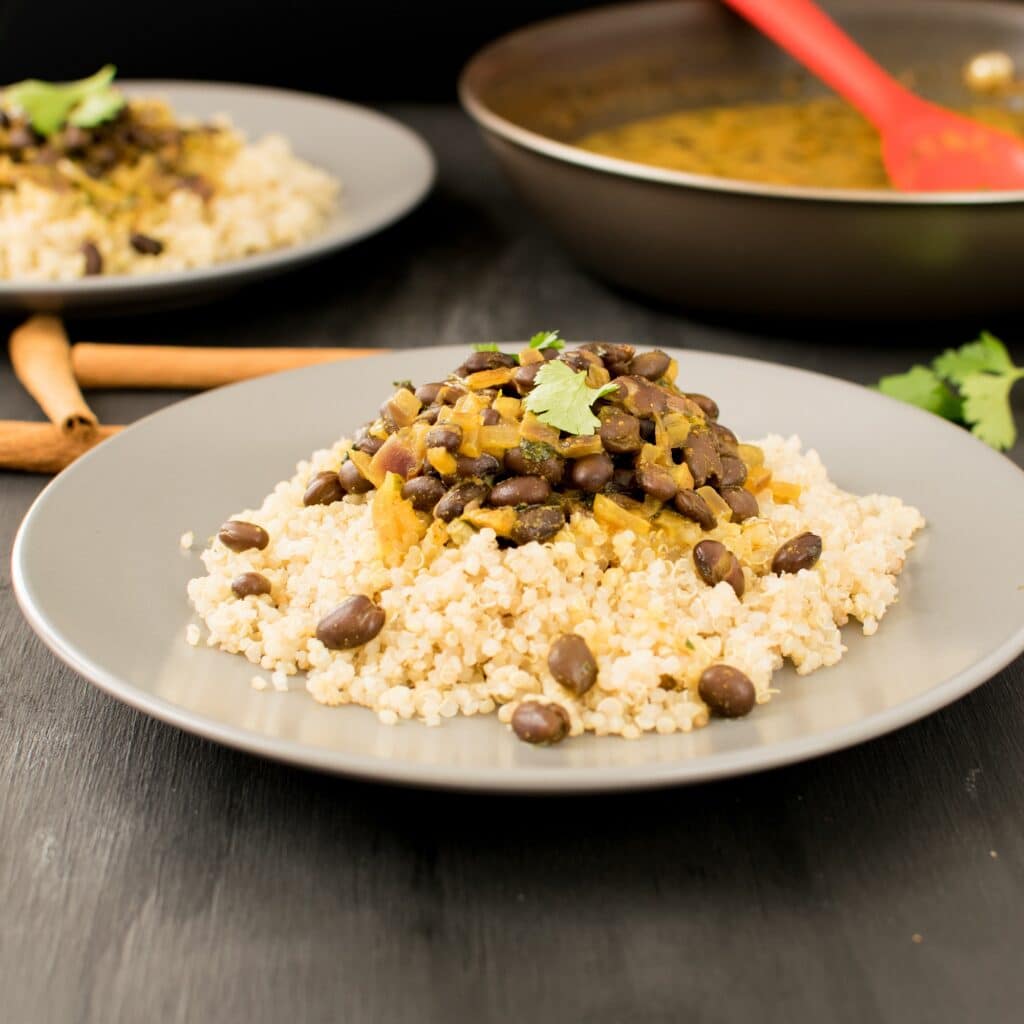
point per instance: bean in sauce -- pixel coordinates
(620, 432)
(741, 501)
(537, 523)
(656, 481)
(708, 406)
(550, 466)
(352, 480)
(592, 472)
(424, 492)
(480, 466)
(651, 365)
(520, 490)
(734, 472)
(445, 435)
(454, 502)
(691, 505)
(324, 489)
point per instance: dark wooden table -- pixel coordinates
(146, 875)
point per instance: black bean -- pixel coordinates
(702, 458)
(429, 414)
(708, 406)
(691, 505)
(445, 435)
(620, 432)
(592, 472)
(428, 393)
(5, 121)
(366, 442)
(241, 536)
(656, 481)
(424, 492)
(489, 417)
(579, 360)
(741, 501)
(651, 365)
(73, 138)
(250, 584)
(534, 722)
(727, 691)
(352, 481)
(356, 621)
(524, 377)
(481, 465)
(485, 361)
(725, 440)
(801, 552)
(538, 523)
(550, 466)
(639, 396)
(323, 489)
(146, 245)
(454, 502)
(93, 259)
(616, 358)
(21, 137)
(520, 490)
(624, 479)
(715, 563)
(734, 471)
(572, 664)
(648, 431)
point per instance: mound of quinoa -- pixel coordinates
(468, 628)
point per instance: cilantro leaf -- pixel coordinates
(486, 346)
(561, 398)
(50, 105)
(987, 407)
(924, 388)
(547, 339)
(985, 355)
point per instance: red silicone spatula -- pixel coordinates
(925, 148)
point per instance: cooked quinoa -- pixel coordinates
(148, 192)
(468, 628)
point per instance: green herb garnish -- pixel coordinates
(407, 384)
(49, 106)
(487, 346)
(969, 385)
(561, 398)
(547, 339)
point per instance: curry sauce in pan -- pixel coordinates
(819, 143)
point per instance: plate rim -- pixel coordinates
(108, 288)
(534, 780)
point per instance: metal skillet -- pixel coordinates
(728, 245)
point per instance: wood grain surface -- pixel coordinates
(146, 875)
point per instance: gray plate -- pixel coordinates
(99, 574)
(385, 170)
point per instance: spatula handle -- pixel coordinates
(804, 30)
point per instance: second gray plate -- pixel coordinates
(99, 574)
(385, 169)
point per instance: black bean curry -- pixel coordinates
(820, 143)
(519, 442)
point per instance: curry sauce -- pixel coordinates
(819, 143)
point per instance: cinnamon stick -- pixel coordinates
(182, 368)
(44, 447)
(41, 357)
